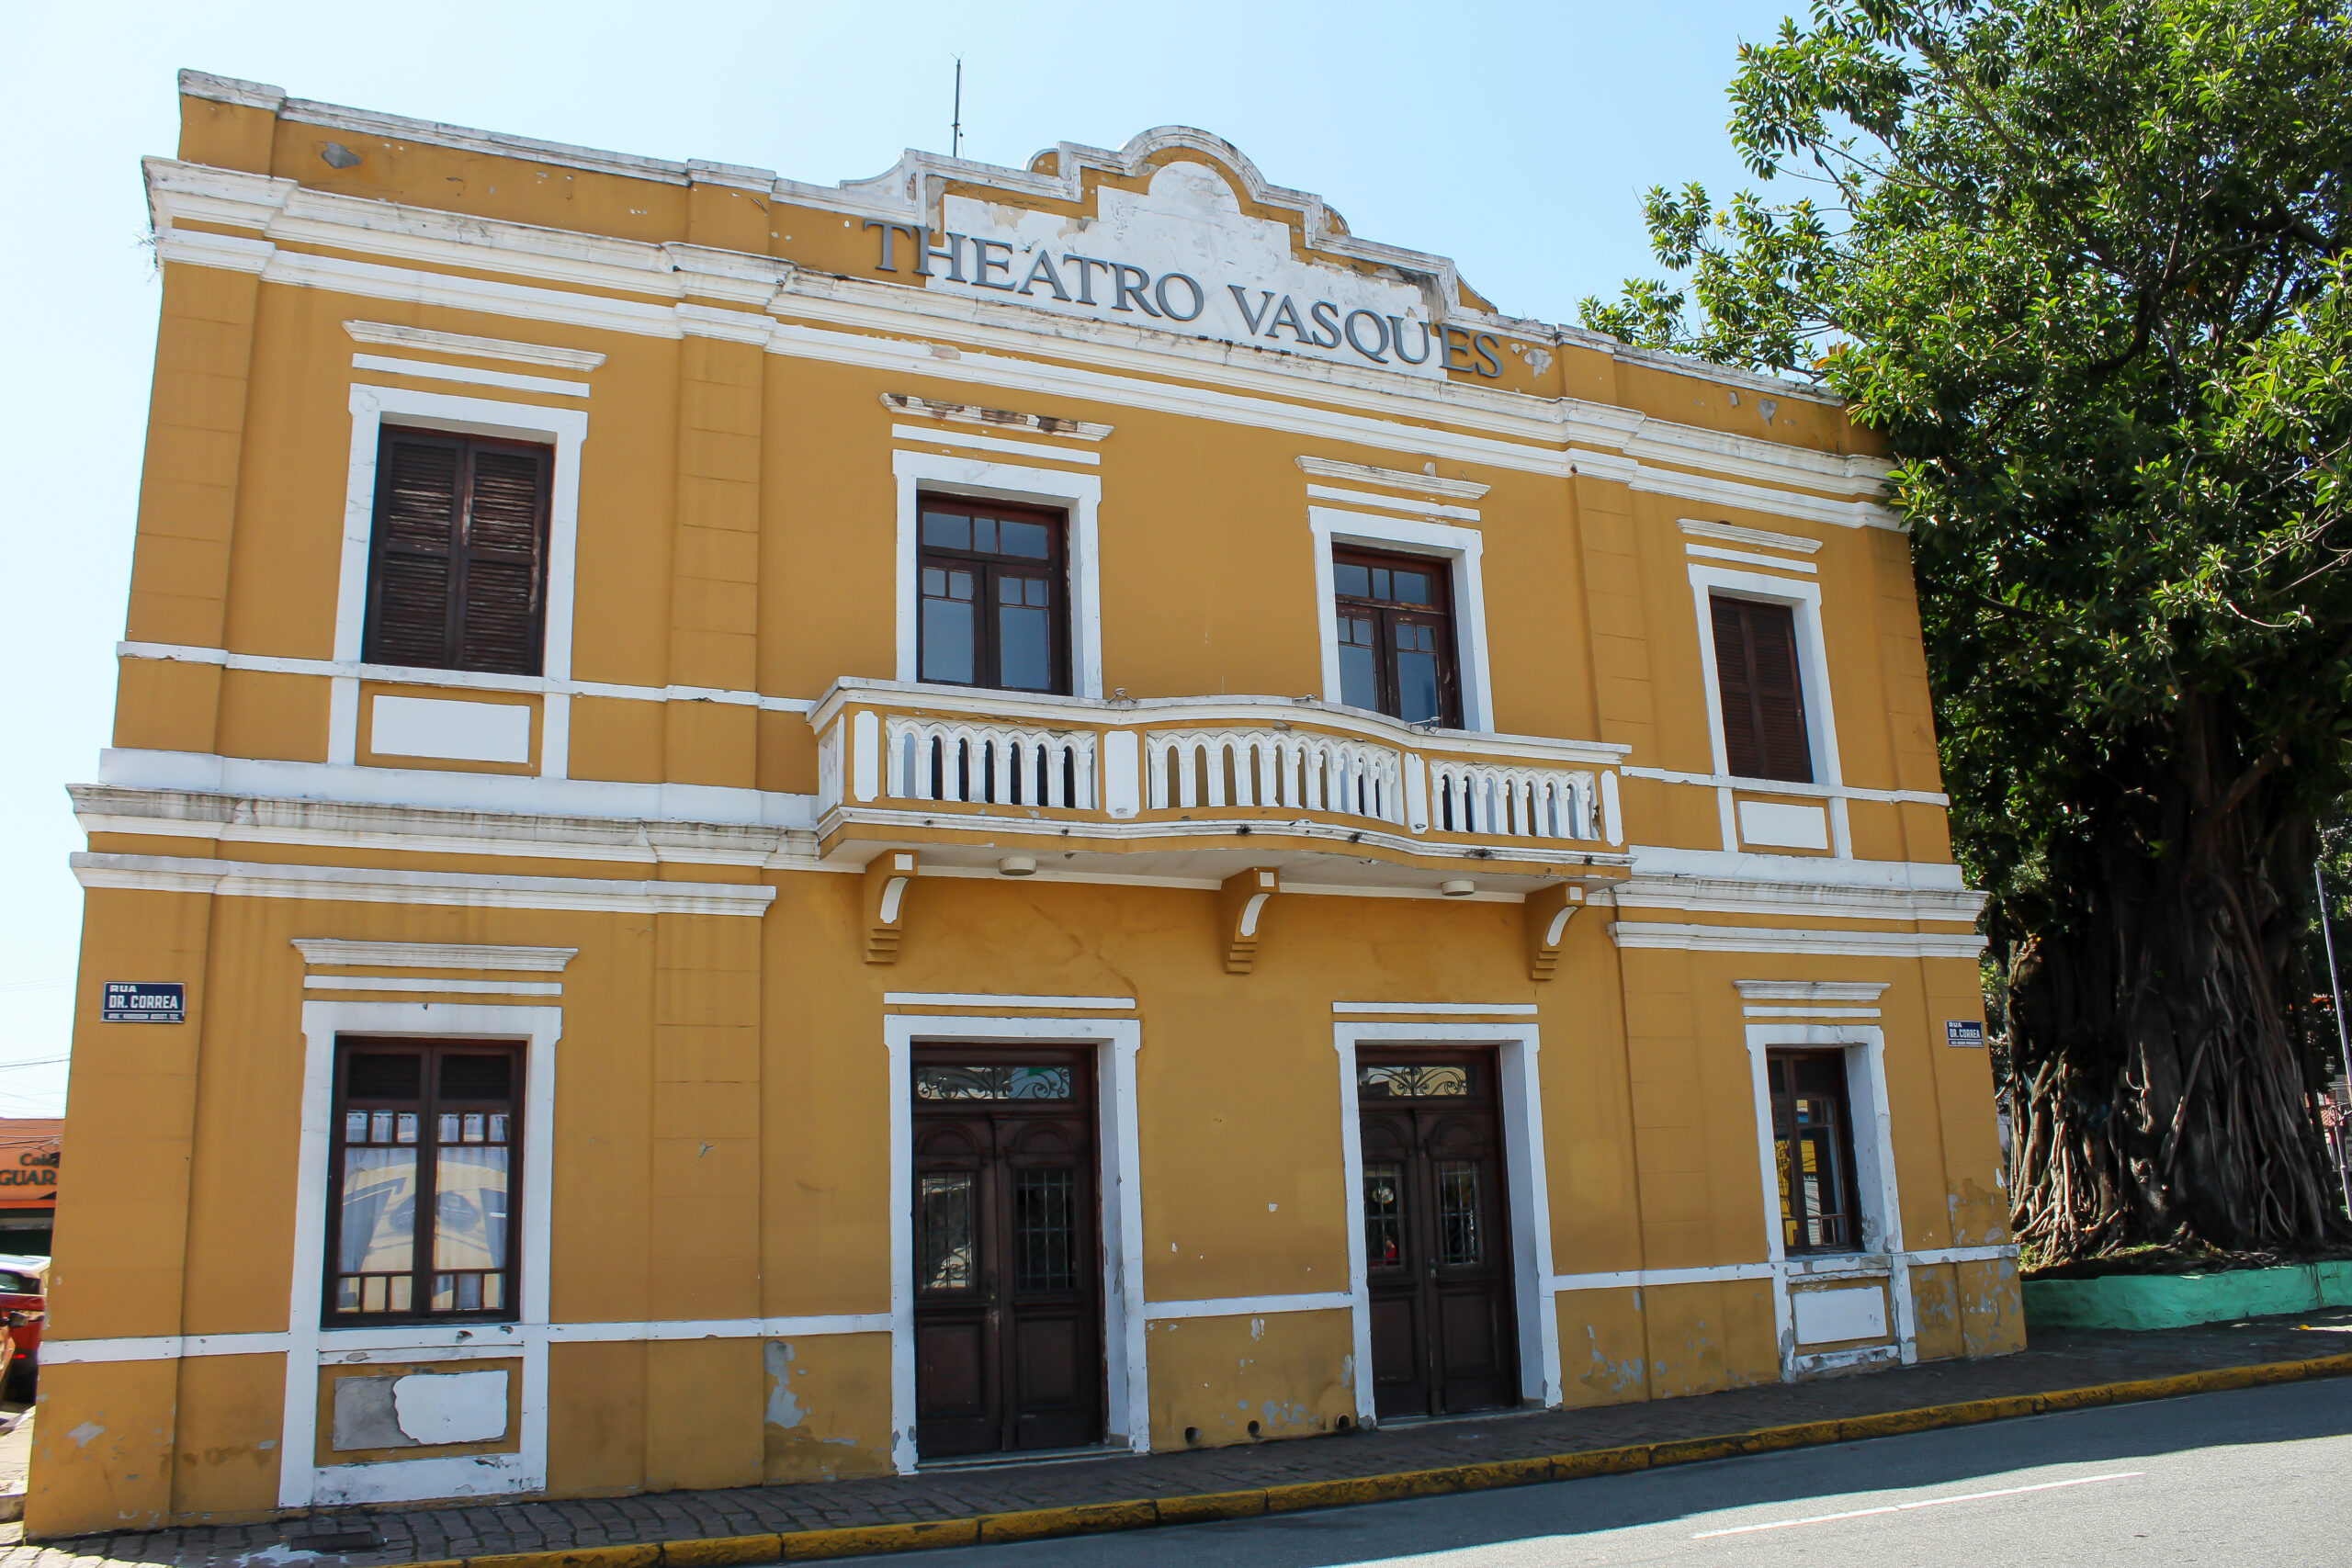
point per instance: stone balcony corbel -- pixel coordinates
(1241, 911)
(888, 877)
(1548, 911)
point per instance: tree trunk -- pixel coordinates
(2158, 1086)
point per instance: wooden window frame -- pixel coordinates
(431, 1051)
(453, 653)
(988, 568)
(1848, 1176)
(1743, 702)
(1387, 615)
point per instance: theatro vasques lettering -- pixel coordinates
(1182, 255)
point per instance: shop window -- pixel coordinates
(1763, 698)
(1813, 1151)
(994, 601)
(1394, 623)
(423, 1184)
(457, 563)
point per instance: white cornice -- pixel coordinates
(1740, 895)
(1758, 498)
(1392, 478)
(729, 326)
(740, 176)
(370, 885)
(228, 90)
(881, 312)
(1658, 860)
(335, 952)
(1756, 539)
(1762, 939)
(289, 214)
(698, 807)
(997, 419)
(229, 253)
(419, 340)
(913, 186)
(1811, 991)
(552, 834)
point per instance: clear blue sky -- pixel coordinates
(1516, 138)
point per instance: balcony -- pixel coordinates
(1200, 787)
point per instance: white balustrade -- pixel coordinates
(1291, 770)
(992, 764)
(1510, 803)
(868, 754)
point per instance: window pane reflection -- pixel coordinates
(470, 1211)
(946, 1218)
(379, 1209)
(1384, 1216)
(1459, 1240)
(1359, 663)
(1025, 633)
(947, 641)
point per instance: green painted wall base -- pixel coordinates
(2176, 1301)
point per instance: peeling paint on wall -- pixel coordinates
(783, 1410)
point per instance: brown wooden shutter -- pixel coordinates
(421, 479)
(1763, 699)
(505, 540)
(459, 575)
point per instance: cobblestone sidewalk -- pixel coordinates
(2060, 1360)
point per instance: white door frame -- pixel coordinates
(1126, 1382)
(1521, 1093)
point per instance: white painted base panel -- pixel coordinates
(1825, 1317)
(456, 732)
(1787, 827)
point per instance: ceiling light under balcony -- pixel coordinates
(1016, 865)
(1459, 889)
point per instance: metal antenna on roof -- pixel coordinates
(955, 131)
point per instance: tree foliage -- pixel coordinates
(2083, 264)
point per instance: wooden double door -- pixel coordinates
(1006, 1230)
(1444, 1336)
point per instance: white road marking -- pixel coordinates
(1923, 1503)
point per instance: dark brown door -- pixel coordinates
(1444, 1339)
(1008, 1278)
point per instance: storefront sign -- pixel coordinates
(1963, 1032)
(1182, 255)
(34, 1167)
(145, 1002)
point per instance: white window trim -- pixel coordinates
(1078, 495)
(301, 1483)
(1459, 547)
(1520, 1091)
(1813, 669)
(1881, 1203)
(1127, 1377)
(567, 431)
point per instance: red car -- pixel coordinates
(24, 1301)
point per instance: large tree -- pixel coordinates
(2082, 264)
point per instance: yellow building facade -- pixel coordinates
(761, 832)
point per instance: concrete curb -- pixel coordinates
(1145, 1513)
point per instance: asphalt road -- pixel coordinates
(2256, 1477)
